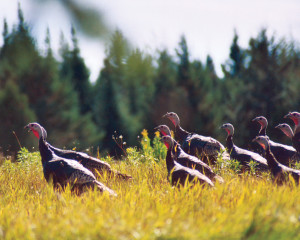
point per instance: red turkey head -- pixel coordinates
(295, 116)
(168, 141)
(262, 141)
(37, 130)
(228, 128)
(286, 129)
(164, 130)
(262, 121)
(173, 117)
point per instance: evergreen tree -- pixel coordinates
(184, 63)
(165, 86)
(186, 85)
(106, 111)
(111, 111)
(235, 64)
(139, 79)
(15, 114)
(74, 69)
(53, 100)
(5, 31)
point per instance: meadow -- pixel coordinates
(247, 206)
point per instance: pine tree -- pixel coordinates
(235, 64)
(106, 111)
(15, 114)
(165, 86)
(139, 80)
(74, 69)
(111, 109)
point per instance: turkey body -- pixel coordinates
(283, 153)
(245, 157)
(296, 141)
(95, 165)
(63, 172)
(279, 171)
(206, 148)
(242, 155)
(178, 173)
(193, 162)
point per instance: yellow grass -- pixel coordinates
(148, 207)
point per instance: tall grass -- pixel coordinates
(246, 206)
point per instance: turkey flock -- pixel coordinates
(189, 157)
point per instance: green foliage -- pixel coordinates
(159, 149)
(15, 114)
(135, 88)
(42, 93)
(235, 165)
(252, 166)
(74, 70)
(154, 150)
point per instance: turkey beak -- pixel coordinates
(254, 120)
(166, 115)
(156, 128)
(28, 128)
(287, 116)
(278, 126)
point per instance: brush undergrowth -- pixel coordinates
(246, 206)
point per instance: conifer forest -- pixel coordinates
(135, 88)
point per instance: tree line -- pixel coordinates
(134, 89)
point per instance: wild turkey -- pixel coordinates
(187, 160)
(95, 165)
(164, 130)
(206, 148)
(242, 155)
(287, 130)
(263, 125)
(278, 170)
(62, 171)
(295, 116)
(178, 173)
(283, 153)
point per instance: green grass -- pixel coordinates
(148, 207)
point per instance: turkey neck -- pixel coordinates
(272, 162)
(296, 141)
(263, 131)
(229, 142)
(180, 133)
(297, 129)
(169, 159)
(46, 153)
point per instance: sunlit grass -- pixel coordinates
(148, 207)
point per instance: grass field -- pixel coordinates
(244, 207)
